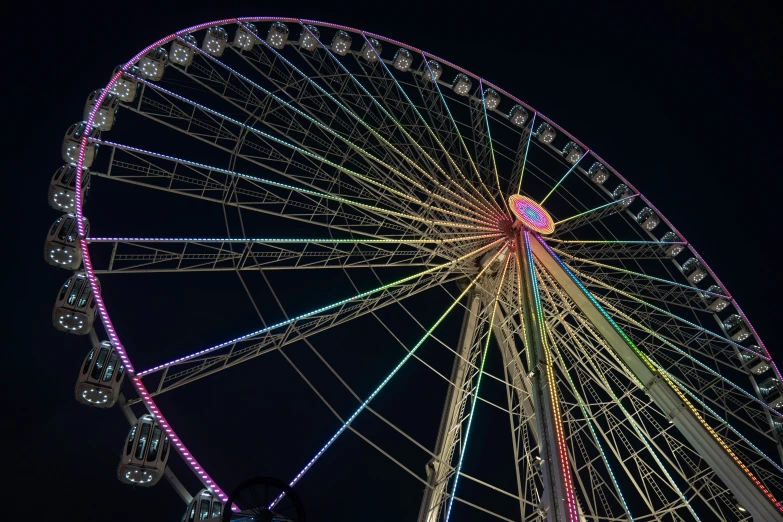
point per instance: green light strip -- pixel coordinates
(527, 148)
(464, 443)
(291, 187)
(368, 127)
(608, 388)
(563, 178)
(594, 209)
(461, 140)
(489, 136)
(345, 140)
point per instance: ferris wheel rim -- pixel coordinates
(105, 318)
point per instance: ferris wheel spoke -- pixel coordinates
(479, 374)
(610, 250)
(742, 405)
(312, 128)
(357, 304)
(603, 498)
(569, 171)
(484, 148)
(692, 426)
(416, 132)
(310, 195)
(382, 131)
(132, 255)
(221, 131)
(520, 158)
(445, 126)
(313, 103)
(591, 216)
(331, 68)
(394, 371)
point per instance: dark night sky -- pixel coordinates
(684, 101)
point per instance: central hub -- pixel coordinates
(531, 214)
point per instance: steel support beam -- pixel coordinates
(439, 469)
(660, 391)
(558, 502)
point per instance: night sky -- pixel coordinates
(685, 102)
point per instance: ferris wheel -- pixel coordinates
(633, 387)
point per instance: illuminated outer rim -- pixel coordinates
(106, 321)
(531, 214)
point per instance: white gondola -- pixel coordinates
(341, 43)
(101, 377)
(772, 392)
(545, 133)
(245, 37)
(145, 454)
(181, 53)
(462, 84)
(572, 152)
(62, 188)
(372, 50)
(672, 250)
(735, 328)
(73, 140)
(491, 99)
(402, 60)
(432, 70)
(277, 35)
(74, 310)
(127, 84)
(215, 41)
(204, 506)
(309, 38)
(61, 248)
(623, 194)
(716, 303)
(153, 64)
(518, 115)
(647, 218)
(597, 173)
(757, 366)
(693, 270)
(107, 113)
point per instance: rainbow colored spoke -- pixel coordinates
(320, 310)
(464, 441)
(592, 210)
(383, 383)
(476, 170)
(527, 149)
(587, 417)
(489, 137)
(560, 437)
(327, 129)
(685, 353)
(483, 205)
(296, 148)
(374, 132)
(300, 190)
(565, 176)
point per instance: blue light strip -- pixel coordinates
(527, 148)
(564, 177)
(388, 377)
(464, 443)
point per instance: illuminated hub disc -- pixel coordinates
(531, 214)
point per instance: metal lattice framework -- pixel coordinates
(325, 149)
